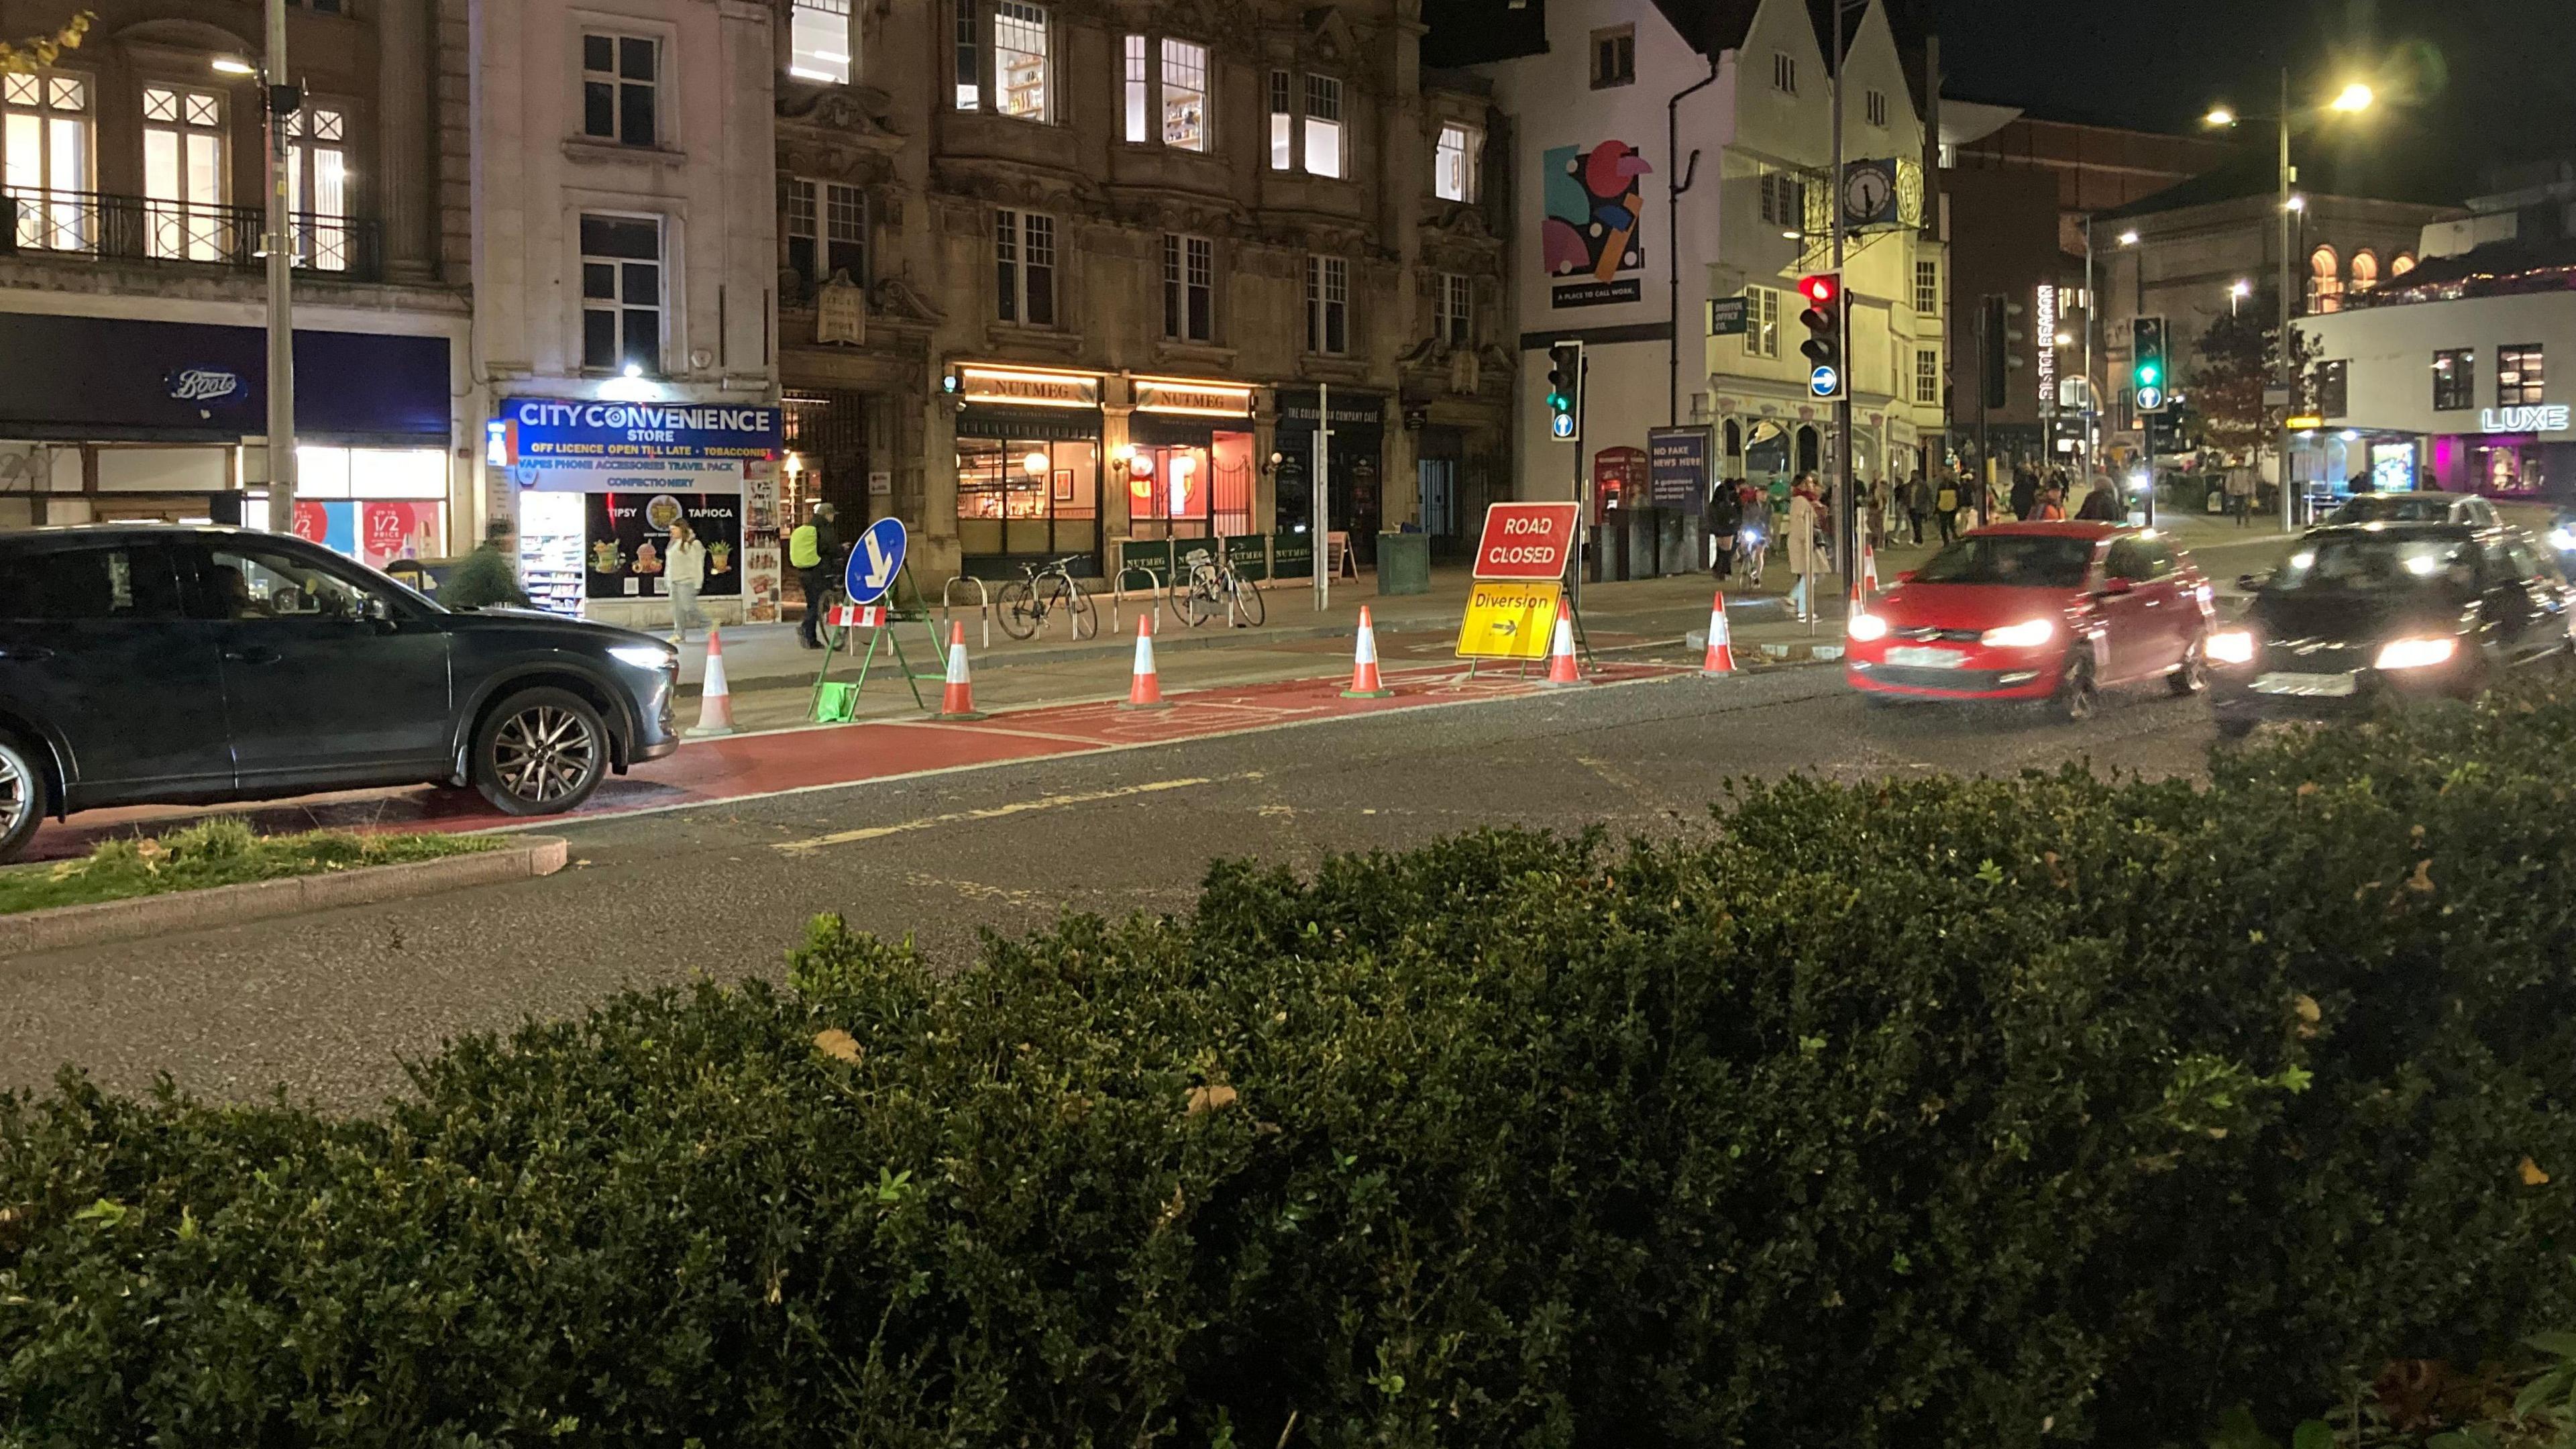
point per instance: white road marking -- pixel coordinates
(1016, 807)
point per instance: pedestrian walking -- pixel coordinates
(2240, 494)
(1806, 549)
(684, 568)
(2099, 506)
(1918, 503)
(812, 549)
(485, 577)
(2025, 492)
(1945, 506)
(1725, 515)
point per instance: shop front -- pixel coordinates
(1355, 483)
(126, 420)
(1188, 466)
(598, 486)
(1029, 467)
(2518, 453)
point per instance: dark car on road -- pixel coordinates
(149, 663)
(2048, 612)
(2465, 509)
(2364, 615)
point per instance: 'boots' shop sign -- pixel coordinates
(536, 429)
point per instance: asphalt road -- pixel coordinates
(328, 1005)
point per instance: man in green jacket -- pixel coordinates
(485, 577)
(814, 551)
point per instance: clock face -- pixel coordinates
(1864, 193)
(1909, 193)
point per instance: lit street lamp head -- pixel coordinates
(2355, 97)
(2219, 116)
(234, 65)
(2129, 238)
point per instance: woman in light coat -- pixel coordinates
(684, 572)
(1806, 553)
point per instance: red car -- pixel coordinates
(2037, 611)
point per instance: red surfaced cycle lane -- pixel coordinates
(744, 767)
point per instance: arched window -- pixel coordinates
(2325, 281)
(2365, 271)
(2400, 264)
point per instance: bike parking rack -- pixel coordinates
(1118, 592)
(983, 606)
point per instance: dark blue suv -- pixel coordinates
(145, 663)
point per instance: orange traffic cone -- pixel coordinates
(715, 697)
(958, 701)
(1561, 668)
(1868, 567)
(1721, 643)
(1365, 681)
(1145, 687)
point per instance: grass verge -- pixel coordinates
(209, 854)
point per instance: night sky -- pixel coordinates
(2464, 84)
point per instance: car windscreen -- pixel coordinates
(2391, 508)
(2367, 564)
(2021, 561)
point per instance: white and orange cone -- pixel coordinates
(1561, 667)
(715, 697)
(1366, 683)
(958, 700)
(1145, 686)
(1868, 568)
(1720, 662)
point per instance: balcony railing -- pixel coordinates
(142, 228)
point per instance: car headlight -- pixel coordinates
(2027, 635)
(1865, 627)
(2230, 646)
(2563, 539)
(645, 656)
(2416, 653)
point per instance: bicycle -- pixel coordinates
(1025, 602)
(1212, 587)
(1752, 547)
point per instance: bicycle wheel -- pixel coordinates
(829, 632)
(1248, 602)
(1019, 610)
(1202, 600)
(1079, 608)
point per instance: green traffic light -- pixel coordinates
(2148, 373)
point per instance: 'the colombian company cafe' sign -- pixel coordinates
(537, 429)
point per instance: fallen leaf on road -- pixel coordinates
(1210, 1099)
(2422, 880)
(838, 1045)
(2532, 1176)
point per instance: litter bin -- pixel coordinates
(1404, 563)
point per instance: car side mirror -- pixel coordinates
(2114, 588)
(373, 609)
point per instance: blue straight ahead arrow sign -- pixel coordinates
(876, 562)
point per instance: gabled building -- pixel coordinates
(1671, 155)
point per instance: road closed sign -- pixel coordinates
(1509, 619)
(1526, 541)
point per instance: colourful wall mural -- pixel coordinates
(1590, 238)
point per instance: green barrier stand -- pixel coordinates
(838, 703)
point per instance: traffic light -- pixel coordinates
(2150, 372)
(1998, 336)
(1828, 324)
(1565, 392)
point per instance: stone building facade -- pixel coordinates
(1053, 276)
(132, 297)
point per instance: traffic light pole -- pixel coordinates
(1582, 506)
(1847, 504)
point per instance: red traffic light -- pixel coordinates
(1820, 288)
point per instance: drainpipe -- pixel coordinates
(1673, 250)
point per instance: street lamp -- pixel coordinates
(2354, 97)
(282, 101)
(2129, 238)
(2238, 291)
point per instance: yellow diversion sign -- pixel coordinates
(1510, 620)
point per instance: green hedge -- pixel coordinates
(1951, 1112)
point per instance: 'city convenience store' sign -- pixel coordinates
(538, 429)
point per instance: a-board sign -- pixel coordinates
(1510, 619)
(1526, 541)
(876, 563)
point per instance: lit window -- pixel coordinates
(621, 293)
(970, 57)
(1456, 161)
(1189, 288)
(317, 161)
(1140, 98)
(819, 41)
(183, 176)
(45, 159)
(1761, 322)
(2518, 375)
(1283, 134)
(1020, 60)
(619, 77)
(1024, 267)
(1185, 95)
(1323, 126)
(2325, 281)
(2455, 379)
(1328, 305)
(2365, 271)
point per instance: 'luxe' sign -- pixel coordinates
(2538, 418)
